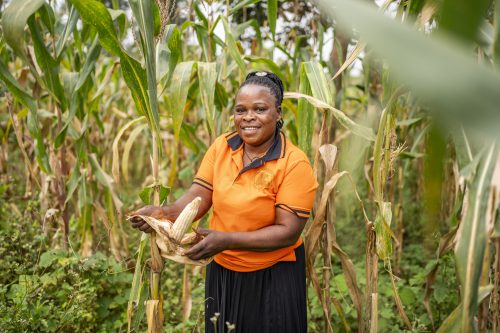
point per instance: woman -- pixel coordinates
(262, 190)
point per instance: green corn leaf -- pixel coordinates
(221, 96)
(207, 76)
(136, 80)
(443, 73)
(269, 64)
(232, 47)
(87, 69)
(33, 124)
(105, 180)
(190, 139)
(14, 19)
(242, 4)
(472, 239)
(62, 133)
(120, 17)
(382, 227)
(452, 323)
(344, 120)
(48, 17)
(15, 88)
(167, 52)
(143, 13)
(67, 31)
(320, 86)
(496, 41)
(240, 29)
(463, 17)
(175, 47)
(128, 146)
(496, 226)
(89, 66)
(202, 36)
(48, 65)
(137, 292)
(306, 116)
(272, 15)
(178, 92)
(378, 180)
(146, 195)
(73, 182)
(96, 14)
(69, 80)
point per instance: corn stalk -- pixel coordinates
(472, 239)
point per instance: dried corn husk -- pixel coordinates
(172, 239)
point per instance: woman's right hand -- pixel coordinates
(154, 211)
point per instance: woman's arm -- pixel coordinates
(283, 233)
(172, 211)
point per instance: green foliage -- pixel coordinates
(51, 290)
(436, 68)
(72, 106)
(410, 286)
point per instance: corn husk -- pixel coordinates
(172, 245)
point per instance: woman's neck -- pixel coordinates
(260, 149)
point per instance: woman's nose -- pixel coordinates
(249, 115)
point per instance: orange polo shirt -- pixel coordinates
(245, 199)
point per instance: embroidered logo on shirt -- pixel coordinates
(263, 179)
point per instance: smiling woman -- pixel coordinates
(262, 190)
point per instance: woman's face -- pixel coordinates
(256, 114)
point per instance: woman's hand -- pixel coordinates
(213, 243)
(154, 211)
(172, 211)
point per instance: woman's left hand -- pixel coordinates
(213, 243)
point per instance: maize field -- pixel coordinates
(110, 105)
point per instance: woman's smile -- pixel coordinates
(250, 129)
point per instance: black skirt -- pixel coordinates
(271, 300)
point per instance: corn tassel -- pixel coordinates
(185, 219)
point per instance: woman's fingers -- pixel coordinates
(212, 244)
(135, 219)
(138, 223)
(153, 211)
(202, 231)
(145, 228)
(198, 251)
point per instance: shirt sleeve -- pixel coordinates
(205, 175)
(296, 192)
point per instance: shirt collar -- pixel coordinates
(276, 151)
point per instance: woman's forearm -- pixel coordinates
(266, 239)
(283, 233)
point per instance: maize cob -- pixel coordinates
(184, 220)
(172, 239)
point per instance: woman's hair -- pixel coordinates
(269, 80)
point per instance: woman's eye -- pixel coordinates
(239, 111)
(260, 110)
